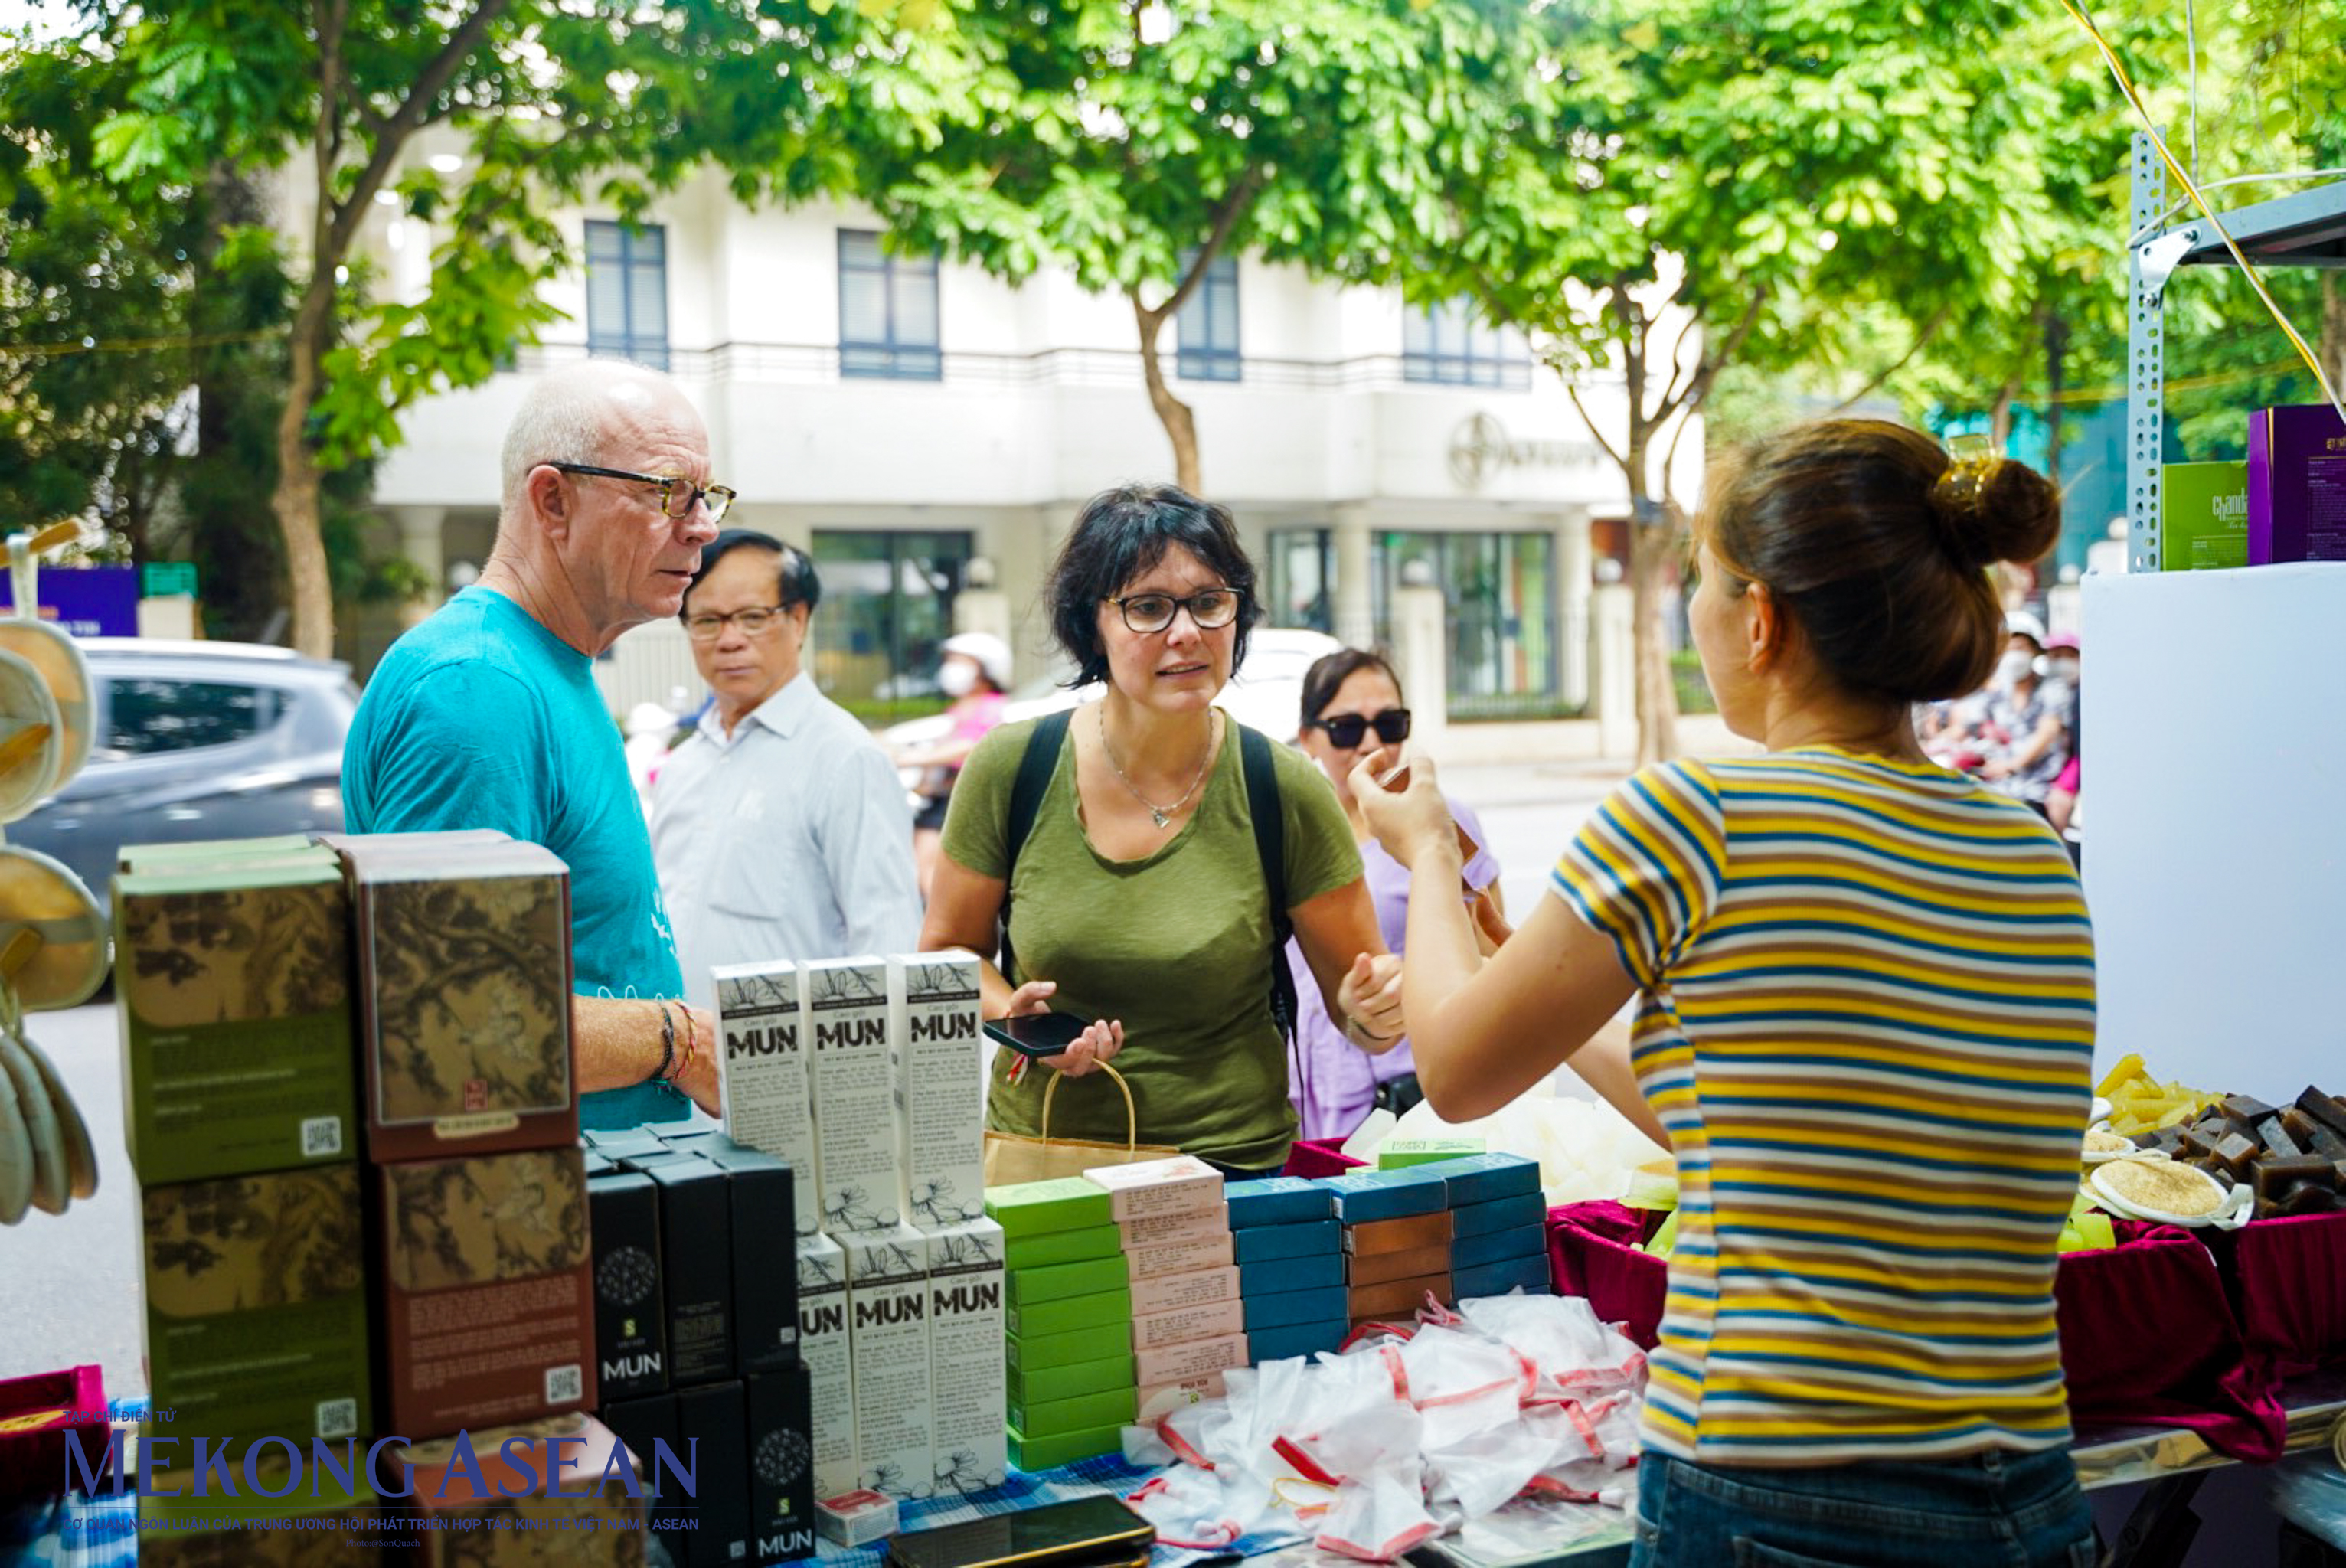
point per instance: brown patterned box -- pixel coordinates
(487, 1290)
(463, 983)
(582, 1502)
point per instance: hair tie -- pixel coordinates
(1972, 463)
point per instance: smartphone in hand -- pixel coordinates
(1036, 1034)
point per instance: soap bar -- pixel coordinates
(2275, 1177)
(1031, 1208)
(1376, 1268)
(2324, 1109)
(1265, 1242)
(2307, 1198)
(1277, 1200)
(2199, 1140)
(2277, 1140)
(2245, 1112)
(1288, 1308)
(1410, 1233)
(2234, 1154)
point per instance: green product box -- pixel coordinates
(2203, 516)
(256, 1321)
(1400, 1153)
(1038, 1207)
(238, 1050)
(1056, 1417)
(1091, 1342)
(1045, 1384)
(204, 851)
(1051, 1452)
(1050, 1247)
(1093, 1277)
(1070, 1313)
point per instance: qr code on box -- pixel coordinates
(338, 1418)
(564, 1385)
(321, 1136)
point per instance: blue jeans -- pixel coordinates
(1992, 1510)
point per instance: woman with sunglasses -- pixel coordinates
(1137, 900)
(1865, 1014)
(1352, 706)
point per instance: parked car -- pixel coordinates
(1266, 694)
(197, 740)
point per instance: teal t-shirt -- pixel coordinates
(481, 717)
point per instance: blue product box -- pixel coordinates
(1273, 1274)
(1498, 1278)
(1479, 1178)
(1293, 1308)
(1277, 1200)
(1495, 1245)
(1389, 1195)
(1303, 1339)
(1497, 1214)
(1266, 1242)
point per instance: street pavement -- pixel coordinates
(69, 1289)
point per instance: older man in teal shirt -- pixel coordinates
(487, 716)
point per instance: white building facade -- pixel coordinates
(929, 431)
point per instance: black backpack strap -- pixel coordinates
(1036, 766)
(1264, 810)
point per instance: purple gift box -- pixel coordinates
(2297, 484)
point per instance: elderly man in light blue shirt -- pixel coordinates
(780, 828)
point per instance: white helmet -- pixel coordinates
(2021, 623)
(990, 652)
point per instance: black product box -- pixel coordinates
(765, 1259)
(709, 1141)
(714, 1422)
(781, 1464)
(597, 1165)
(618, 1142)
(630, 1311)
(643, 1425)
(696, 1224)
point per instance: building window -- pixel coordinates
(1451, 345)
(1302, 579)
(887, 604)
(1207, 330)
(1503, 622)
(887, 311)
(626, 292)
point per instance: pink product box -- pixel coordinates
(1159, 1400)
(1196, 1359)
(1171, 1292)
(1181, 1185)
(39, 1416)
(1207, 1320)
(2297, 484)
(1171, 1229)
(1210, 1251)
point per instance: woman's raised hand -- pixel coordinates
(1409, 821)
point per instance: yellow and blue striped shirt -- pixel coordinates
(1867, 1019)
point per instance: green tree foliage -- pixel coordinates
(1132, 145)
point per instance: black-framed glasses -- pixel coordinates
(1211, 608)
(1344, 731)
(755, 621)
(670, 486)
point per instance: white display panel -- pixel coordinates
(2215, 796)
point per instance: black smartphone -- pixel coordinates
(1088, 1531)
(1036, 1033)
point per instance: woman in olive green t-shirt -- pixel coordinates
(1137, 900)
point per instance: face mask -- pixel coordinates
(957, 678)
(2013, 667)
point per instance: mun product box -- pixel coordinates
(888, 1312)
(464, 966)
(235, 1017)
(781, 1466)
(768, 1079)
(696, 1208)
(487, 1290)
(765, 1263)
(2297, 484)
(826, 1345)
(967, 1376)
(860, 1181)
(254, 1272)
(630, 1308)
(941, 1085)
(714, 1420)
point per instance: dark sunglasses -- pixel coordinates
(1345, 729)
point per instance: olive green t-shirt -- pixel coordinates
(1176, 944)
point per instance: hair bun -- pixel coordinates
(1993, 508)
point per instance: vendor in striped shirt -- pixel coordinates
(1865, 993)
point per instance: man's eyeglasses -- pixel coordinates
(1344, 731)
(755, 621)
(1211, 608)
(672, 488)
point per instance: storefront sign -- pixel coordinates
(88, 601)
(1480, 448)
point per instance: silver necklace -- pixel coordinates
(1162, 814)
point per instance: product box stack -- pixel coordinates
(697, 1336)
(241, 1114)
(1290, 1250)
(1396, 1238)
(1067, 1347)
(1189, 1322)
(1498, 1225)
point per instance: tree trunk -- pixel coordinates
(1651, 548)
(1999, 419)
(295, 499)
(2056, 354)
(1180, 424)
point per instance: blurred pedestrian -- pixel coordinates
(975, 671)
(2028, 717)
(779, 826)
